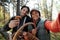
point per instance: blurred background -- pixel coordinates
(49, 9)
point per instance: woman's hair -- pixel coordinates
(36, 11)
(25, 7)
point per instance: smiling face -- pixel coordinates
(24, 11)
(35, 15)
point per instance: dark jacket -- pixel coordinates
(6, 27)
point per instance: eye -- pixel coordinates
(23, 9)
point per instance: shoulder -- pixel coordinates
(28, 16)
(42, 21)
(28, 19)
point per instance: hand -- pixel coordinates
(25, 35)
(13, 23)
(34, 31)
(18, 17)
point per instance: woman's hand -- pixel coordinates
(25, 35)
(13, 23)
(34, 31)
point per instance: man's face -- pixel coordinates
(35, 15)
(24, 11)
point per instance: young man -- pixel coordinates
(13, 23)
(44, 26)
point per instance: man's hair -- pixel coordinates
(25, 7)
(36, 11)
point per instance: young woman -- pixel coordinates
(44, 26)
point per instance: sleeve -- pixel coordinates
(6, 26)
(53, 26)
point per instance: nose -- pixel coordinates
(24, 12)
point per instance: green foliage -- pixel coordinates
(4, 16)
(1, 37)
(55, 36)
(1, 14)
(3, 0)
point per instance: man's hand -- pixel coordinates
(13, 23)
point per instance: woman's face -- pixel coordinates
(24, 12)
(35, 15)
